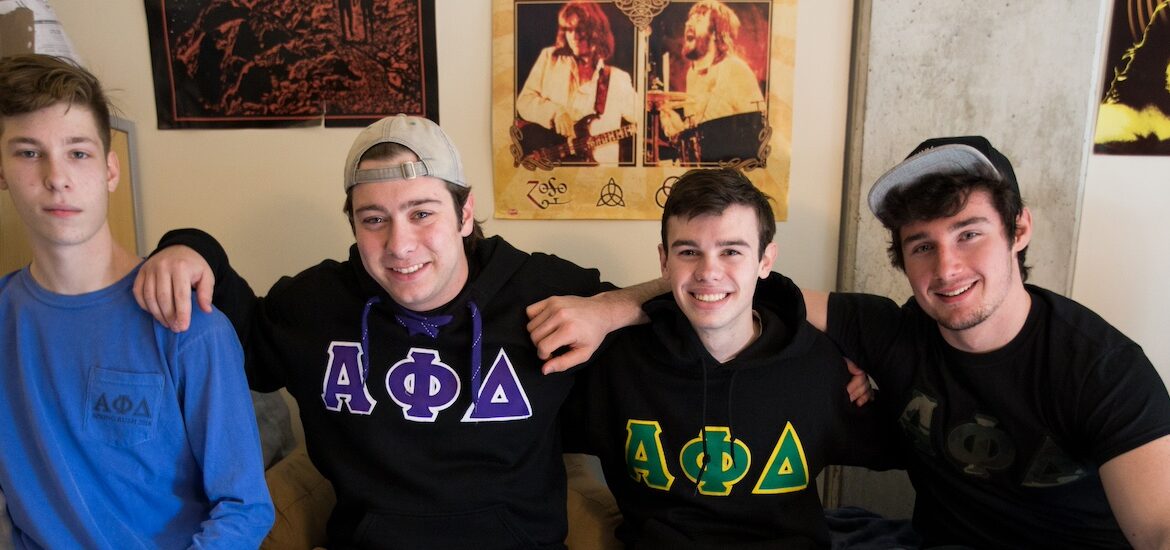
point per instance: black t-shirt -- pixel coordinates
(1004, 446)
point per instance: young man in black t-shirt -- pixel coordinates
(1029, 421)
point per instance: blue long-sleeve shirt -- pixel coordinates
(117, 433)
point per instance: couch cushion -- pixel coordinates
(275, 424)
(593, 513)
(303, 500)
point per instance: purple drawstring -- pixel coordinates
(476, 350)
(366, 338)
(416, 324)
(419, 324)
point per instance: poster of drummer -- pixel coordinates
(598, 106)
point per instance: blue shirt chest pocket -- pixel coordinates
(122, 408)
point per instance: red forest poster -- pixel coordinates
(278, 63)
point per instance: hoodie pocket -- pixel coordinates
(486, 528)
(121, 408)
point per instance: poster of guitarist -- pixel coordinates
(578, 105)
(581, 88)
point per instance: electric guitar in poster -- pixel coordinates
(544, 147)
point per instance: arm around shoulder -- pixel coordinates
(185, 259)
(816, 305)
(581, 323)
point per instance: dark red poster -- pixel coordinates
(280, 63)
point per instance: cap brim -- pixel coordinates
(950, 159)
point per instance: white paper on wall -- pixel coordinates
(45, 32)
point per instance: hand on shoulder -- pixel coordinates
(164, 282)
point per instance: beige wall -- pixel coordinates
(273, 197)
(1123, 265)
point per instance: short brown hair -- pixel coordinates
(711, 191)
(31, 82)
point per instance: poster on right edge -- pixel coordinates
(1134, 115)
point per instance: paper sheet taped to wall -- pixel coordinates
(31, 26)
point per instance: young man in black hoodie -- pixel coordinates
(420, 391)
(713, 421)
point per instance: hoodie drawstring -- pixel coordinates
(420, 324)
(703, 423)
(703, 429)
(730, 395)
(476, 350)
(366, 338)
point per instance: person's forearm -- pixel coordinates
(627, 302)
(816, 304)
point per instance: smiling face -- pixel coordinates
(713, 262)
(410, 238)
(58, 174)
(965, 275)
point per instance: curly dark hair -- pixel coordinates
(941, 196)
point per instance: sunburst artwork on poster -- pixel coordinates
(599, 105)
(1134, 115)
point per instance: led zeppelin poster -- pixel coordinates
(598, 106)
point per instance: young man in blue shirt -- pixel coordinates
(117, 433)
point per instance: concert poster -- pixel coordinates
(598, 106)
(285, 63)
(1134, 114)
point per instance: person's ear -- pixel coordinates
(1023, 230)
(113, 171)
(467, 213)
(768, 260)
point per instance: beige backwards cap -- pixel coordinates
(437, 155)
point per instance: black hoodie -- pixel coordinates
(413, 463)
(656, 403)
